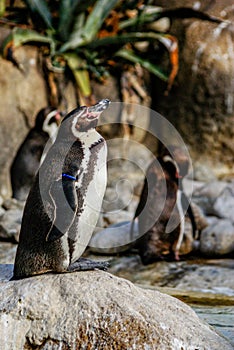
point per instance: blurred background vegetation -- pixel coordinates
(95, 38)
(173, 56)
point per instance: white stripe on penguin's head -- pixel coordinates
(49, 126)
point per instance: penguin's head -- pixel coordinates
(48, 120)
(177, 159)
(171, 166)
(51, 123)
(83, 119)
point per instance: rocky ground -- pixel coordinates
(127, 164)
(203, 277)
(126, 169)
(96, 310)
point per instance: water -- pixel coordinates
(221, 318)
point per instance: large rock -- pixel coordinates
(23, 94)
(20, 101)
(95, 310)
(11, 214)
(10, 224)
(200, 104)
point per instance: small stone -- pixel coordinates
(2, 212)
(224, 205)
(190, 186)
(117, 216)
(10, 224)
(206, 195)
(112, 200)
(211, 220)
(200, 218)
(7, 252)
(218, 238)
(12, 203)
(207, 278)
(202, 172)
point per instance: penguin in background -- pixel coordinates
(29, 154)
(161, 205)
(65, 199)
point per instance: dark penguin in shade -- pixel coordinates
(64, 203)
(160, 210)
(28, 157)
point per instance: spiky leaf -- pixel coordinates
(20, 36)
(93, 23)
(123, 39)
(76, 64)
(130, 56)
(41, 9)
(154, 13)
(69, 14)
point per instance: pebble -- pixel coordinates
(218, 238)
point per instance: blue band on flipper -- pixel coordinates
(69, 177)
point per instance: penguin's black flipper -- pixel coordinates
(140, 207)
(64, 201)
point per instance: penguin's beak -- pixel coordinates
(94, 112)
(58, 117)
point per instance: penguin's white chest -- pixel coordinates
(92, 202)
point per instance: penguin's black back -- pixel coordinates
(27, 159)
(156, 204)
(26, 163)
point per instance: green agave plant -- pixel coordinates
(78, 33)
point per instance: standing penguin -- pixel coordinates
(63, 205)
(161, 205)
(28, 157)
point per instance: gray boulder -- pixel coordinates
(95, 310)
(224, 205)
(7, 252)
(10, 224)
(218, 238)
(206, 195)
(12, 203)
(115, 238)
(117, 216)
(2, 212)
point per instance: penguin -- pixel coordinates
(28, 157)
(65, 200)
(161, 207)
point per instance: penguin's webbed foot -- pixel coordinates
(83, 264)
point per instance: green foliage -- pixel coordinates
(40, 9)
(90, 34)
(20, 36)
(81, 74)
(2, 7)
(130, 56)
